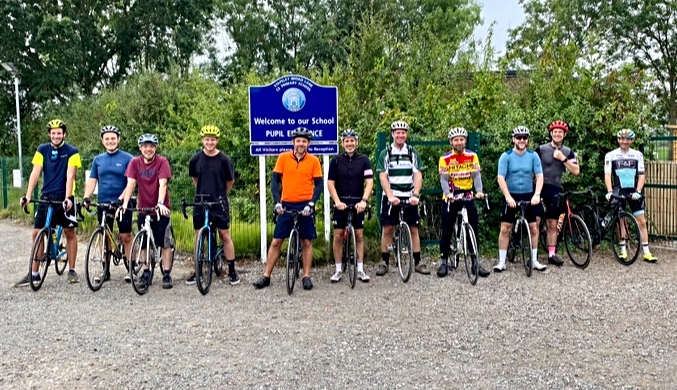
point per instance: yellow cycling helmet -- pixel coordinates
(56, 124)
(210, 131)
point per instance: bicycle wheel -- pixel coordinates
(625, 229)
(452, 261)
(61, 256)
(470, 259)
(96, 266)
(591, 221)
(292, 260)
(40, 254)
(219, 261)
(140, 258)
(203, 263)
(171, 246)
(350, 255)
(405, 260)
(577, 241)
(525, 244)
(543, 234)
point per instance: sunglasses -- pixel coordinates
(521, 137)
(55, 154)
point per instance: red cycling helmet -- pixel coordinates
(559, 125)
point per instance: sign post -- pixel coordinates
(275, 111)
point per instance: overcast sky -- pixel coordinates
(507, 14)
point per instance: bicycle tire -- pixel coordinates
(452, 261)
(543, 234)
(470, 259)
(219, 261)
(171, 246)
(350, 254)
(525, 245)
(577, 241)
(140, 258)
(203, 261)
(95, 260)
(61, 260)
(631, 227)
(591, 221)
(292, 260)
(39, 253)
(405, 258)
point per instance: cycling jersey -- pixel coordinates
(518, 170)
(298, 176)
(400, 165)
(109, 169)
(624, 167)
(55, 163)
(349, 173)
(461, 167)
(553, 168)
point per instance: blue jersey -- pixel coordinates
(55, 163)
(109, 169)
(519, 170)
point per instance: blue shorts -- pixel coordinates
(285, 223)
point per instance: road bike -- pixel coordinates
(573, 231)
(294, 252)
(520, 240)
(402, 243)
(207, 254)
(463, 240)
(144, 253)
(349, 256)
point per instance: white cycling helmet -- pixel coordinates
(458, 132)
(399, 125)
(520, 130)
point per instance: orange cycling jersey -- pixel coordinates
(459, 167)
(297, 176)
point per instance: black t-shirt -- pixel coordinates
(349, 174)
(212, 173)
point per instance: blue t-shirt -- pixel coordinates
(109, 169)
(518, 170)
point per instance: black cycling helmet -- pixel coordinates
(109, 129)
(301, 132)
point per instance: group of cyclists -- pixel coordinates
(526, 175)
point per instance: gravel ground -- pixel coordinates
(608, 326)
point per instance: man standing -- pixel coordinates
(555, 159)
(624, 175)
(516, 170)
(399, 168)
(152, 173)
(459, 170)
(59, 161)
(213, 174)
(300, 174)
(350, 181)
(108, 170)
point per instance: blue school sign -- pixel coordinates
(276, 109)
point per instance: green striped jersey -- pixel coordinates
(400, 165)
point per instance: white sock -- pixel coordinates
(534, 255)
(360, 267)
(35, 273)
(645, 248)
(502, 253)
(338, 267)
(623, 250)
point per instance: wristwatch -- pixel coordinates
(417, 196)
(364, 200)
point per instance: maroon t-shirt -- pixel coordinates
(147, 178)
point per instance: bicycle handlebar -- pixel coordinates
(475, 198)
(351, 207)
(293, 213)
(78, 207)
(202, 203)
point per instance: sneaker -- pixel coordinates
(482, 273)
(443, 270)
(554, 260)
(307, 283)
(363, 277)
(538, 266)
(97, 279)
(233, 279)
(142, 283)
(382, 270)
(191, 279)
(649, 257)
(422, 269)
(623, 256)
(167, 282)
(25, 281)
(500, 266)
(73, 277)
(336, 277)
(263, 281)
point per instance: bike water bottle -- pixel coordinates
(606, 220)
(560, 222)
